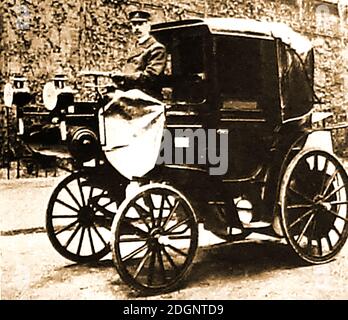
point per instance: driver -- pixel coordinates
(147, 59)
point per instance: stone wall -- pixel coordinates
(41, 37)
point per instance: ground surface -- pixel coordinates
(256, 269)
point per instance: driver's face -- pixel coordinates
(140, 28)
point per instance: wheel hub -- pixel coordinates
(323, 219)
(85, 216)
(156, 232)
(156, 237)
(319, 204)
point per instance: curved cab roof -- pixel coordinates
(249, 27)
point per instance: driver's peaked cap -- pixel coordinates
(139, 15)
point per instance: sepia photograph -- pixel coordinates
(178, 150)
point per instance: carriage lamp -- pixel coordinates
(56, 93)
(59, 81)
(17, 94)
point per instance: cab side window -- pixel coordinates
(238, 72)
(188, 68)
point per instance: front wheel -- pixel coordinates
(154, 239)
(314, 205)
(79, 217)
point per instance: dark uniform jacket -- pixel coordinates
(145, 66)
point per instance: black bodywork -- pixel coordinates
(249, 85)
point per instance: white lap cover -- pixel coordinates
(134, 123)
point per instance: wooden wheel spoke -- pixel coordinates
(72, 196)
(66, 205)
(91, 240)
(169, 258)
(90, 195)
(143, 214)
(307, 213)
(162, 270)
(106, 204)
(299, 206)
(99, 235)
(148, 200)
(72, 236)
(141, 264)
(310, 238)
(132, 229)
(309, 246)
(132, 239)
(81, 191)
(315, 163)
(151, 272)
(329, 182)
(335, 214)
(295, 192)
(99, 196)
(333, 192)
(134, 253)
(104, 211)
(64, 216)
(172, 211)
(326, 164)
(179, 237)
(305, 228)
(328, 240)
(66, 227)
(160, 215)
(334, 228)
(179, 224)
(81, 240)
(177, 250)
(102, 208)
(149, 203)
(338, 202)
(320, 247)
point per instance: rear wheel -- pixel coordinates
(314, 205)
(154, 239)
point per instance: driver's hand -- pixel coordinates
(117, 76)
(110, 88)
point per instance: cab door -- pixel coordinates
(248, 100)
(189, 115)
